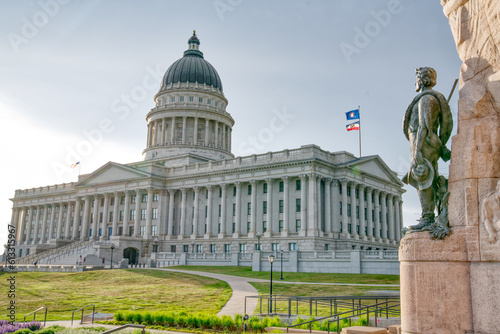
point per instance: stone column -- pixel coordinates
(172, 132)
(400, 225)
(126, 213)
(253, 209)
(76, 219)
(37, 218)
(195, 131)
(354, 220)
(184, 125)
(319, 212)
(224, 136)
(383, 223)
(328, 206)
(69, 221)
(377, 215)
(269, 214)
(210, 203)
(116, 214)
(362, 221)
(207, 123)
(149, 214)
(216, 135)
(312, 218)
(44, 224)
(105, 214)
(303, 202)
(336, 209)
(237, 220)
(196, 212)
(85, 221)
(22, 226)
(60, 221)
(95, 218)
(28, 224)
(345, 218)
(163, 132)
(286, 207)
(390, 209)
(14, 221)
(223, 211)
(182, 227)
(137, 220)
(148, 140)
(369, 205)
(229, 139)
(170, 222)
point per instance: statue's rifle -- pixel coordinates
(452, 90)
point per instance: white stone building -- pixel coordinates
(191, 195)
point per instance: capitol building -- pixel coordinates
(191, 198)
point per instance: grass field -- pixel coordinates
(298, 277)
(149, 290)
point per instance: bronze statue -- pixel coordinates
(427, 124)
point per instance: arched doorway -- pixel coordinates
(131, 254)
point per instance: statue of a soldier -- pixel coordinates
(427, 124)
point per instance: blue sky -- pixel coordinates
(75, 72)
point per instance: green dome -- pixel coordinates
(192, 67)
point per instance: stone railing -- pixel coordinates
(47, 190)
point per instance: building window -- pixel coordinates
(185, 248)
(264, 207)
(280, 226)
(297, 205)
(155, 213)
(199, 248)
(143, 230)
(220, 192)
(366, 214)
(155, 197)
(200, 100)
(112, 201)
(212, 248)
(348, 210)
(243, 248)
(275, 247)
(357, 229)
(218, 228)
(206, 211)
(340, 206)
(191, 99)
(143, 214)
(348, 191)
(122, 200)
(100, 217)
(172, 99)
(249, 208)
(209, 101)
(280, 204)
(249, 189)
(179, 131)
(220, 210)
(349, 228)
(201, 132)
(298, 184)
(234, 227)
(298, 224)
(264, 188)
(248, 227)
(227, 248)
(173, 249)
(154, 230)
(110, 217)
(357, 211)
(326, 247)
(357, 192)
(122, 215)
(340, 190)
(281, 186)
(264, 226)
(292, 246)
(234, 191)
(133, 199)
(234, 209)
(216, 103)
(181, 99)
(102, 202)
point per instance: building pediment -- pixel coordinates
(112, 172)
(374, 165)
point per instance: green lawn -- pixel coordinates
(299, 277)
(110, 291)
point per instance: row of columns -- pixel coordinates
(158, 134)
(74, 218)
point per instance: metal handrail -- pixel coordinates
(34, 315)
(82, 309)
(125, 326)
(355, 313)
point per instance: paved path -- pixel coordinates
(242, 288)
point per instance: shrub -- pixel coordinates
(119, 316)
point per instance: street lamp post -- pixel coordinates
(281, 266)
(112, 248)
(258, 240)
(271, 260)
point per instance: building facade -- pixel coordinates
(191, 195)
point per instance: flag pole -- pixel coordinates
(359, 139)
